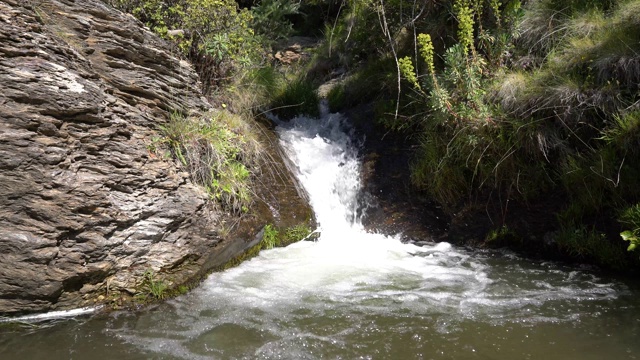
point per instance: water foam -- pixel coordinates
(52, 315)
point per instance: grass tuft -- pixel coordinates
(152, 287)
(299, 97)
(270, 237)
(220, 151)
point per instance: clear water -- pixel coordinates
(356, 295)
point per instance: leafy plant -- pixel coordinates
(154, 287)
(631, 217)
(270, 237)
(464, 15)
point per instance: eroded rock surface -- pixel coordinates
(85, 207)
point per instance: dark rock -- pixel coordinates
(391, 205)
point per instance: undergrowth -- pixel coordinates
(511, 101)
(220, 152)
(217, 36)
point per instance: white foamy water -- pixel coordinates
(52, 315)
(351, 293)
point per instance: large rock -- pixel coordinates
(85, 207)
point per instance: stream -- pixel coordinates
(358, 295)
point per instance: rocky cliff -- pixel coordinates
(85, 207)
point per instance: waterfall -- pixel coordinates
(328, 168)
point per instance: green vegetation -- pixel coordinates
(299, 97)
(295, 233)
(219, 151)
(152, 287)
(591, 245)
(216, 35)
(270, 237)
(273, 237)
(501, 237)
(630, 218)
(270, 17)
(510, 102)
(229, 42)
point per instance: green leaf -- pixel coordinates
(628, 236)
(632, 246)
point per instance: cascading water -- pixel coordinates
(354, 294)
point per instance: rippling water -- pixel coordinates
(357, 295)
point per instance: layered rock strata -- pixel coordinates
(85, 207)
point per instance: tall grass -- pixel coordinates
(220, 152)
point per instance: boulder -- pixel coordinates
(85, 207)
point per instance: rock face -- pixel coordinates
(85, 207)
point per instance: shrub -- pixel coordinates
(214, 34)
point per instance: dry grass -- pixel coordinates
(542, 27)
(511, 88)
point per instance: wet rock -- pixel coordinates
(293, 49)
(390, 204)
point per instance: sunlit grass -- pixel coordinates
(220, 152)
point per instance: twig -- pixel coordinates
(385, 31)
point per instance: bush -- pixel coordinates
(214, 34)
